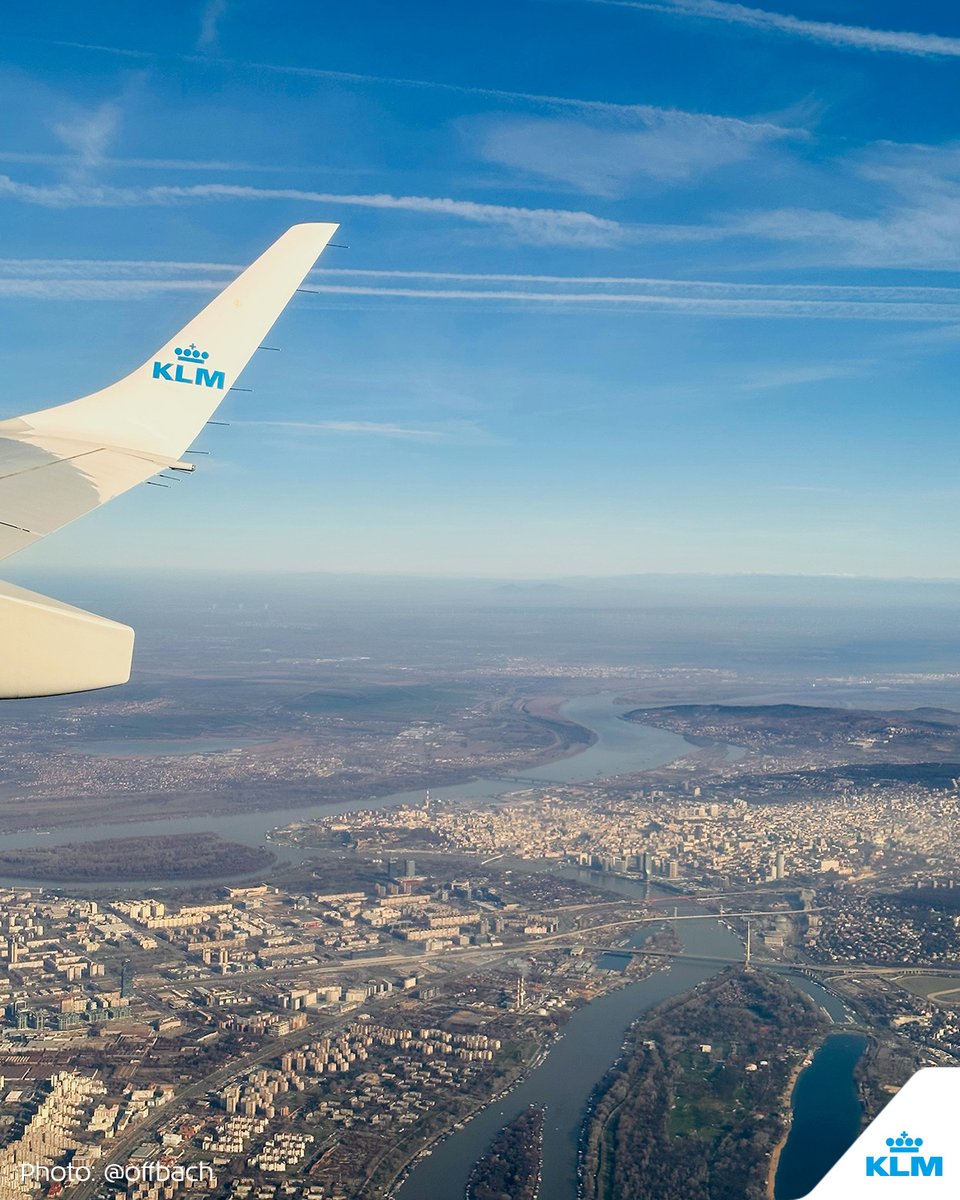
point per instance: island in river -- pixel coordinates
(696, 1105)
(510, 1169)
(168, 856)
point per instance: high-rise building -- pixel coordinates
(126, 978)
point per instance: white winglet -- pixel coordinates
(62, 462)
(162, 406)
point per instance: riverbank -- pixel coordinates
(610, 746)
(826, 1115)
(640, 972)
(692, 1106)
(787, 1110)
(245, 774)
(592, 1039)
(171, 857)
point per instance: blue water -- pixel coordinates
(620, 746)
(617, 749)
(592, 1040)
(591, 1043)
(827, 1114)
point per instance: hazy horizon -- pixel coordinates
(659, 307)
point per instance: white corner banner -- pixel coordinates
(911, 1149)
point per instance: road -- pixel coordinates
(120, 1151)
(456, 961)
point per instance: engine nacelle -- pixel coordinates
(48, 648)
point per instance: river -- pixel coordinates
(593, 1037)
(564, 1082)
(591, 1042)
(619, 747)
(826, 1116)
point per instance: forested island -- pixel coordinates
(510, 1169)
(168, 856)
(699, 1101)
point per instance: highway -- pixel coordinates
(461, 960)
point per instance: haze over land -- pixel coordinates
(324, 795)
(542, 758)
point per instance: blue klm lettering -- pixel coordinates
(184, 373)
(927, 1167)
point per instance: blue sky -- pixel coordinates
(630, 287)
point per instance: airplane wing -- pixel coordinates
(62, 462)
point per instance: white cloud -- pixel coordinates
(604, 158)
(210, 17)
(40, 158)
(911, 197)
(857, 37)
(364, 428)
(719, 306)
(115, 268)
(547, 226)
(52, 279)
(633, 112)
(688, 287)
(101, 289)
(459, 432)
(778, 375)
(88, 135)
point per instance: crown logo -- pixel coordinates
(191, 354)
(904, 1143)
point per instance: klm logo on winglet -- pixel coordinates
(190, 367)
(903, 1159)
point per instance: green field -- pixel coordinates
(697, 1108)
(942, 989)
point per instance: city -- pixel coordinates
(279, 1035)
(508, 748)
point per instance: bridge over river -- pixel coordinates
(802, 968)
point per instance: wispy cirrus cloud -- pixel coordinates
(45, 159)
(547, 226)
(53, 279)
(614, 142)
(907, 212)
(451, 431)
(690, 305)
(210, 17)
(856, 37)
(362, 428)
(604, 157)
(689, 287)
(631, 112)
(59, 288)
(87, 135)
(784, 375)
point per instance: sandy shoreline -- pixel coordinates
(788, 1124)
